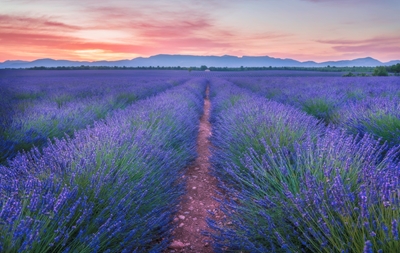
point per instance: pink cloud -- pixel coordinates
(175, 28)
(376, 45)
(375, 40)
(369, 48)
(39, 23)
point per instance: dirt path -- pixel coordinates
(198, 202)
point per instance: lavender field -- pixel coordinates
(94, 161)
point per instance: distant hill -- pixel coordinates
(164, 60)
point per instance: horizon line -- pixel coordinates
(127, 59)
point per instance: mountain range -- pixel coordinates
(164, 60)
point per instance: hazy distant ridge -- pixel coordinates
(197, 61)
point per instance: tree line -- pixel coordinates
(376, 71)
(385, 70)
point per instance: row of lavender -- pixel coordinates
(359, 105)
(34, 109)
(110, 188)
(295, 185)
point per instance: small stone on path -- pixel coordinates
(176, 245)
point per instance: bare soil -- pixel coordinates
(199, 200)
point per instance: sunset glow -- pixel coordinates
(304, 30)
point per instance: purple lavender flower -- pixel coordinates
(368, 247)
(395, 230)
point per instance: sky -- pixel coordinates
(92, 30)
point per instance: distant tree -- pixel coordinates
(190, 69)
(350, 74)
(380, 71)
(203, 67)
(394, 68)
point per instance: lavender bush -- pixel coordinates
(379, 116)
(111, 188)
(360, 105)
(295, 185)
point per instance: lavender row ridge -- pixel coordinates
(111, 188)
(35, 110)
(295, 185)
(360, 105)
